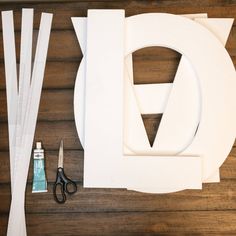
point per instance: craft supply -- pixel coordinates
(97, 180)
(197, 138)
(23, 104)
(62, 184)
(11, 82)
(104, 77)
(39, 177)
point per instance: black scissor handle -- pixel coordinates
(63, 185)
(70, 186)
(59, 197)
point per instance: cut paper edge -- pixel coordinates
(220, 27)
(214, 178)
(80, 26)
(183, 172)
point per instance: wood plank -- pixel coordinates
(220, 196)
(63, 12)
(50, 133)
(228, 170)
(63, 45)
(142, 223)
(58, 75)
(74, 164)
(54, 105)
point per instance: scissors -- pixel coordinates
(62, 184)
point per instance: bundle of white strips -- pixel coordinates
(22, 103)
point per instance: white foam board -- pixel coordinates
(190, 145)
(104, 98)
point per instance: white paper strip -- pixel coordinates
(25, 56)
(104, 98)
(11, 79)
(152, 98)
(24, 77)
(16, 224)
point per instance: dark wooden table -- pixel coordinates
(110, 211)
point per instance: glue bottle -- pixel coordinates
(39, 178)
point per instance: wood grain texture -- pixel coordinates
(211, 211)
(50, 133)
(131, 223)
(74, 164)
(220, 196)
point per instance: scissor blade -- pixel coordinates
(60, 158)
